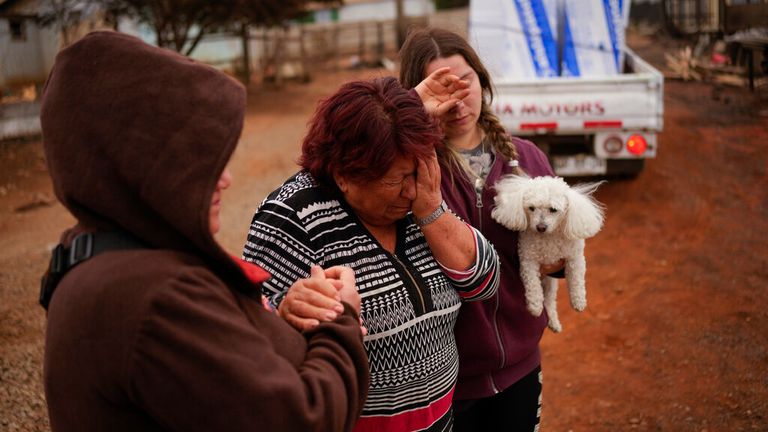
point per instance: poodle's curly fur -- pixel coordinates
(554, 219)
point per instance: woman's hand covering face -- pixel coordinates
(428, 196)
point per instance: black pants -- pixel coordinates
(517, 408)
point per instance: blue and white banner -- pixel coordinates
(519, 38)
(515, 38)
(540, 37)
(593, 37)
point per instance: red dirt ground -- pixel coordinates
(675, 337)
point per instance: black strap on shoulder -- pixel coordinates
(84, 246)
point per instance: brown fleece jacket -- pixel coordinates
(171, 337)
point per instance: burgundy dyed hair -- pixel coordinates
(360, 130)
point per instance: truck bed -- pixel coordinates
(580, 105)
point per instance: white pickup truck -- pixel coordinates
(588, 125)
(565, 80)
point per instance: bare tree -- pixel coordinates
(65, 16)
(178, 24)
(182, 24)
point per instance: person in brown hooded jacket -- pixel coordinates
(168, 332)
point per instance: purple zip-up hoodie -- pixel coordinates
(498, 339)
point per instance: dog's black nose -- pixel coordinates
(541, 228)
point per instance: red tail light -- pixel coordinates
(637, 145)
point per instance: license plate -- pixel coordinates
(578, 165)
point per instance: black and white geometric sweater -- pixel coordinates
(409, 302)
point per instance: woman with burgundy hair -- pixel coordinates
(368, 197)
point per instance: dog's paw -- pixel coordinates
(555, 326)
(579, 304)
(535, 308)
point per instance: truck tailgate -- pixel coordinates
(578, 105)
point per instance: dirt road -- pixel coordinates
(675, 337)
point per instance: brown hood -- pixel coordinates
(136, 137)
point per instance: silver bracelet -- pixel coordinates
(433, 216)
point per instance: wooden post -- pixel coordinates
(399, 24)
(246, 39)
(336, 47)
(266, 56)
(305, 75)
(279, 55)
(379, 42)
(361, 39)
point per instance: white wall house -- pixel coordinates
(26, 55)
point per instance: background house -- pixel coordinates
(29, 40)
(27, 49)
(26, 55)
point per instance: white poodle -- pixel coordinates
(554, 219)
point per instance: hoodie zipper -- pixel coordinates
(479, 185)
(479, 201)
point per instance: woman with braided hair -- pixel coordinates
(499, 384)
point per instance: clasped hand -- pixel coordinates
(318, 298)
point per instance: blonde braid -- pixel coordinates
(498, 137)
(495, 134)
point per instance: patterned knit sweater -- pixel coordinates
(409, 301)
